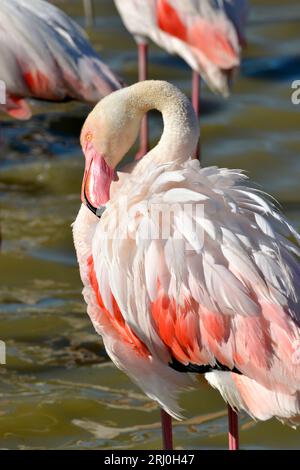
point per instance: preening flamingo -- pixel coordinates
(88, 6)
(207, 34)
(45, 55)
(215, 291)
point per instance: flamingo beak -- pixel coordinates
(96, 182)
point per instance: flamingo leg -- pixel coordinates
(233, 429)
(166, 425)
(233, 423)
(89, 12)
(195, 102)
(143, 75)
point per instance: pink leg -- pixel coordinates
(233, 429)
(195, 101)
(143, 74)
(166, 424)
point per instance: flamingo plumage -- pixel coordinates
(45, 55)
(206, 34)
(215, 291)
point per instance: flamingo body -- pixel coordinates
(216, 291)
(45, 55)
(205, 33)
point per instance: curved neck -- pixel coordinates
(181, 131)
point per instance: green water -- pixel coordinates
(58, 389)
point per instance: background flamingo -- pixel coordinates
(88, 6)
(218, 295)
(205, 33)
(44, 55)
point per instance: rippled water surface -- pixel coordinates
(58, 389)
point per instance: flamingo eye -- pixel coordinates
(88, 137)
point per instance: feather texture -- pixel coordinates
(205, 33)
(196, 267)
(45, 55)
(219, 288)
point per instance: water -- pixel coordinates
(58, 389)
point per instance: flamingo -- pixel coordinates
(207, 34)
(186, 269)
(44, 55)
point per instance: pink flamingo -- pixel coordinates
(89, 12)
(188, 269)
(207, 34)
(44, 55)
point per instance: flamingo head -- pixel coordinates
(107, 134)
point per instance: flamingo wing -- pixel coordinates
(237, 11)
(46, 56)
(219, 292)
(206, 29)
